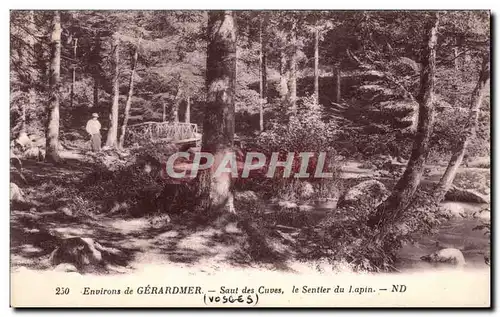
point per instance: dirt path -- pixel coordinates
(140, 242)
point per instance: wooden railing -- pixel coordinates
(169, 131)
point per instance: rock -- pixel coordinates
(83, 253)
(287, 204)
(36, 140)
(459, 209)
(65, 267)
(23, 140)
(305, 207)
(16, 194)
(450, 256)
(35, 153)
(246, 195)
(66, 211)
(306, 190)
(466, 195)
(364, 196)
(232, 227)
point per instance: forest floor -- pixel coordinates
(140, 243)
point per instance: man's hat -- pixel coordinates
(95, 115)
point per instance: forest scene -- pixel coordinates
(398, 101)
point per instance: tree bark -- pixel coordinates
(187, 115)
(316, 65)
(261, 79)
(128, 104)
(390, 211)
(292, 80)
(52, 130)
(284, 74)
(72, 97)
(218, 125)
(95, 67)
(336, 78)
(111, 140)
(468, 132)
(164, 116)
(31, 62)
(177, 101)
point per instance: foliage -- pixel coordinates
(304, 132)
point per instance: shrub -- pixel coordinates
(304, 132)
(479, 181)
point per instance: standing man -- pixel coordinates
(93, 128)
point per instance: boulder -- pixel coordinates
(83, 253)
(460, 209)
(287, 204)
(35, 153)
(65, 267)
(364, 196)
(466, 195)
(16, 194)
(448, 256)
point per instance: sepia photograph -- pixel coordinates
(250, 158)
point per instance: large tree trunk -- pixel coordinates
(391, 209)
(284, 73)
(292, 79)
(95, 60)
(72, 97)
(52, 130)
(187, 115)
(261, 78)
(467, 134)
(128, 104)
(31, 65)
(177, 102)
(316, 65)
(111, 141)
(336, 86)
(218, 125)
(263, 72)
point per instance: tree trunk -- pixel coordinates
(72, 97)
(283, 75)
(391, 209)
(467, 134)
(263, 72)
(292, 80)
(261, 80)
(111, 141)
(164, 117)
(177, 102)
(336, 78)
(31, 88)
(95, 68)
(187, 115)
(128, 104)
(316, 65)
(218, 125)
(52, 131)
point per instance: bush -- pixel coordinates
(479, 181)
(304, 132)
